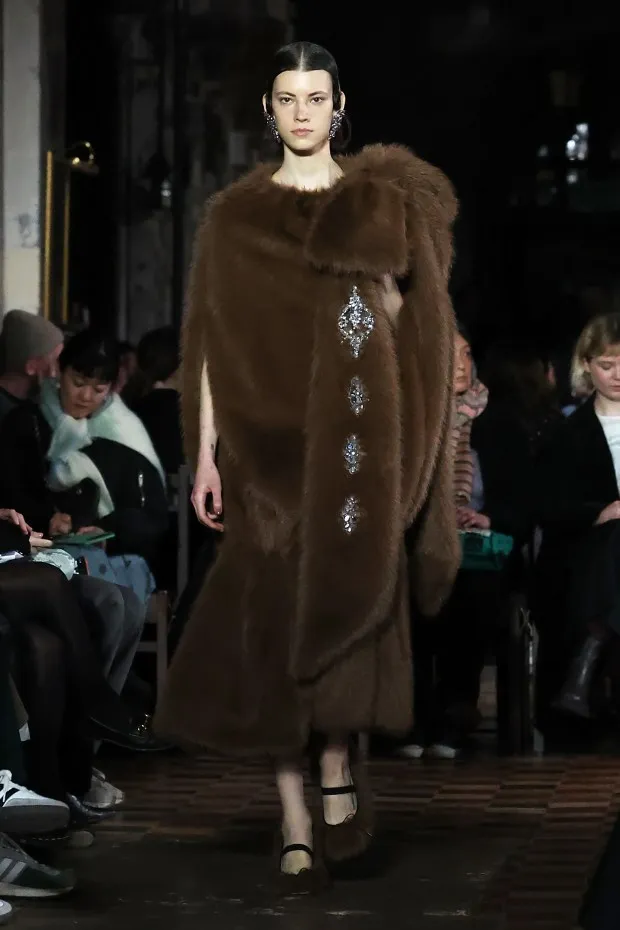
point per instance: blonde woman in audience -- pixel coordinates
(579, 511)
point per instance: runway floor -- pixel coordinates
(484, 843)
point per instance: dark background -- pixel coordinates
(92, 114)
(467, 86)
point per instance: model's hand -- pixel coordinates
(468, 519)
(208, 484)
(392, 298)
(60, 524)
(611, 512)
(12, 516)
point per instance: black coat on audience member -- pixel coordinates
(576, 480)
(503, 450)
(159, 411)
(140, 516)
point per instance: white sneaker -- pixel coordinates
(102, 795)
(411, 751)
(24, 812)
(443, 751)
(80, 839)
(5, 912)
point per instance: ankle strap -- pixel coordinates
(345, 789)
(297, 847)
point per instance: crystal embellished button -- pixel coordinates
(355, 323)
(350, 514)
(353, 454)
(358, 396)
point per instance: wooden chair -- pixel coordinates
(159, 608)
(157, 619)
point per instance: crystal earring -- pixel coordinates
(271, 123)
(337, 119)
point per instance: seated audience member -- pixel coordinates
(567, 400)
(578, 568)
(156, 395)
(492, 473)
(29, 351)
(21, 811)
(115, 619)
(59, 676)
(523, 392)
(41, 593)
(80, 460)
(127, 365)
(114, 615)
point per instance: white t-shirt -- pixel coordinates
(611, 428)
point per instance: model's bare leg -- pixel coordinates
(336, 773)
(347, 801)
(296, 818)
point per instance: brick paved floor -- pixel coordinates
(485, 844)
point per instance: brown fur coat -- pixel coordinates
(300, 624)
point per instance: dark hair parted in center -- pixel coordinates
(307, 56)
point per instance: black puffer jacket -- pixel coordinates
(140, 516)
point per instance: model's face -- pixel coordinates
(462, 365)
(302, 105)
(605, 373)
(80, 396)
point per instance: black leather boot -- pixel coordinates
(574, 696)
(82, 815)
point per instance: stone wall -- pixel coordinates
(32, 120)
(222, 130)
(21, 155)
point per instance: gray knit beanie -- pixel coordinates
(26, 336)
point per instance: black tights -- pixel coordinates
(42, 593)
(31, 591)
(11, 756)
(58, 754)
(59, 675)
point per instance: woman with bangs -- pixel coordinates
(579, 511)
(81, 460)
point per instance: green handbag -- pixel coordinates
(484, 550)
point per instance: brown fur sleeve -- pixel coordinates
(193, 337)
(431, 208)
(364, 224)
(436, 557)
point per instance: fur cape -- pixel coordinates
(274, 271)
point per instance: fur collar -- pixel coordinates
(391, 164)
(372, 201)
